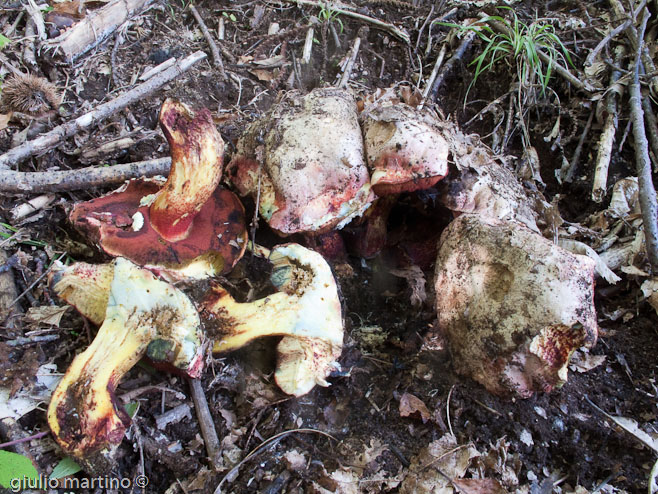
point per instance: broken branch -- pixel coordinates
(214, 51)
(81, 178)
(58, 134)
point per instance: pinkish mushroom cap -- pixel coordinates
(405, 149)
(306, 158)
(512, 305)
(189, 223)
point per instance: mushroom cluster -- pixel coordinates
(512, 305)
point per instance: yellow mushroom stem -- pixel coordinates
(306, 311)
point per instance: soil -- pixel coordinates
(550, 442)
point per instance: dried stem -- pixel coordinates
(345, 77)
(51, 139)
(609, 130)
(81, 178)
(205, 421)
(214, 51)
(647, 191)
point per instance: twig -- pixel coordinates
(274, 439)
(38, 435)
(58, 134)
(205, 422)
(214, 51)
(174, 416)
(422, 28)
(308, 45)
(36, 16)
(345, 77)
(29, 56)
(395, 31)
(651, 128)
(607, 139)
(82, 178)
(448, 409)
(647, 192)
(593, 54)
(459, 54)
(34, 283)
(435, 72)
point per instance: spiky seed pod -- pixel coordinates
(29, 94)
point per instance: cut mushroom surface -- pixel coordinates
(306, 159)
(306, 311)
(512, 305)
(186, 227)
(143, 316)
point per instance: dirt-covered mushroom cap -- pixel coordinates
(143, 315)
(306, 311)
(187, 227)
(512, 305)
(306, 157)
(405, 148)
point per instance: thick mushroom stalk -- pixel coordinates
(190, 227)
(306, 311)
(512, 305)
(197, 149)
(405, 148)
(84, 415)
(304, 162)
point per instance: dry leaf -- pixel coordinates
(4, 120)
(479, 486)
(631, 426)
(264, 74)
(583, 362)
(46, 314)
(650, 291)
(409, 405)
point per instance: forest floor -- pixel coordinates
(369, 439)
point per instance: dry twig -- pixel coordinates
(205, 421)
(647, 192)
(58, 134)
(214, 51)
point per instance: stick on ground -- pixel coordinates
(58, 134)
(214, 51)
(205, 421)
(82, 178)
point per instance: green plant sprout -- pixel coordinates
(328, 15)
(520, 43)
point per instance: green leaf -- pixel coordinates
(233, 18)
(65, 468)
(4, 41)
(131, 408)
(15, 468)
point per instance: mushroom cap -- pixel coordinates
(119, 223)
(309, 154)
(405, 148)
(512, 305)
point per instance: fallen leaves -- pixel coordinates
(411, 405)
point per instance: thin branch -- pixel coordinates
(205, 421)
(58, 134)
(81, 178)
(395, 31)
(345, 77)
(447, 68)
(647, 192)
(214, 51)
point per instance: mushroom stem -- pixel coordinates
(306, 310)
(197, 151)
(84, 415)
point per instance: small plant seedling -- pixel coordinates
(230, 16)
(328, 15)
(519, 44)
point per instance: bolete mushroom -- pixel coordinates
(512, 305)
(188, 227)
(306, 311)
(405, 148)
(304, 163)
(143, 315)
